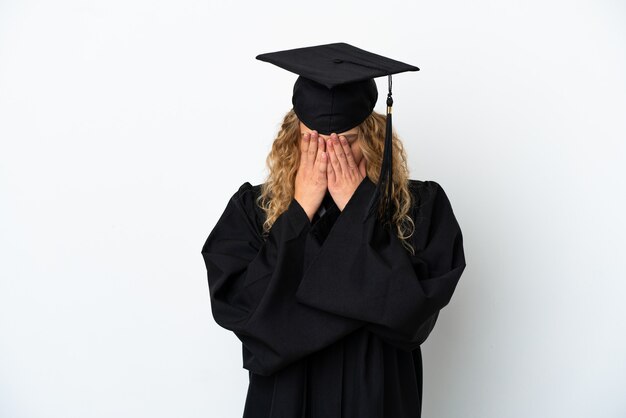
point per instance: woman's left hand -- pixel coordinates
(343, 174)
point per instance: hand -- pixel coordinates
(311, 182)
(343, 174)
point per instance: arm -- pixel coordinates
(363, 272)
(252, 285)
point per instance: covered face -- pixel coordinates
(352, 135)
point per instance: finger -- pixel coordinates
(323, 164)
(336, 166)
(304, 150)
(312, 152)
(320, 153)
(330, 173)
(342, 170)
(352, 167)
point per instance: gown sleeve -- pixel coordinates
(362, 271)
(252, 284)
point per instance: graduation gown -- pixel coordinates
(331, 313)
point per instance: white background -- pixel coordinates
(125, 126)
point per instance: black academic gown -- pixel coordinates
(331, 313)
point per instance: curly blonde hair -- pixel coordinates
(284, 159)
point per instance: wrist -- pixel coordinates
(310, 211)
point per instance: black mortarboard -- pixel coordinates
(335, 92)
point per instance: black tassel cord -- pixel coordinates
(385, 179)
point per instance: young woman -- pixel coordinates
(331, 304)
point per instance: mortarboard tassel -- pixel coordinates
(385, 179)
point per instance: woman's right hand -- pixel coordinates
(311, 182)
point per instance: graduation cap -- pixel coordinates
(335, 91)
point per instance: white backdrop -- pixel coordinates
(125, 126)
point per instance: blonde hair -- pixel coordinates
(284, 159)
